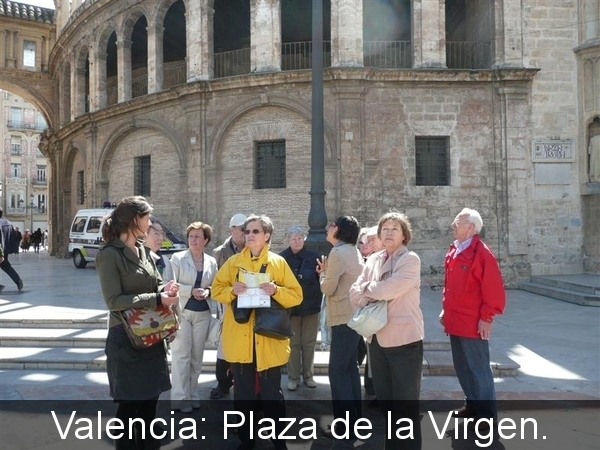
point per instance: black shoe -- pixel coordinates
(217, 393)
(465, 412)
(20, 285)
(1, 288)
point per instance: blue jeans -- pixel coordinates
(344, 377)
(471, 358)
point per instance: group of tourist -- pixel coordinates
(363, 266)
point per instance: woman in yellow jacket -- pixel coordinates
(254, 357)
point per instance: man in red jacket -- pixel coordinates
(473, 295)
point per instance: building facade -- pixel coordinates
(23, 181)
(204, 107)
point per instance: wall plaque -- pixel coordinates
(552, 151)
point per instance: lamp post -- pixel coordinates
(31, 206)
(317, 217)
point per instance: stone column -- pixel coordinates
(199, 37)
(514, 117)
(347, 33)
(155, 57)
(124, 69)
(429, 33)
(44, 54)
(508, 32)
(97, 79)
(590, 18)
(11, 60)
(265, 35)
(78, 90)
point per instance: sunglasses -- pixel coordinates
(255, 231)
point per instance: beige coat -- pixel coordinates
(343, 267)
(401, 287)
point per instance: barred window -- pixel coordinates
(141, 183)
(80, 188)
(269, 165)
(432, 161)
(28, 53)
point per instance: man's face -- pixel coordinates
(237, 234)
(461, 229)
(374, 243)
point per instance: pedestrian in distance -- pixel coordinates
(473, 295)
(9, 241)
(129, 279)
(305, 317)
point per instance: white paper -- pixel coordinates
(254, 298)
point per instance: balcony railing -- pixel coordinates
(234, 62)
(175, 73)
(20, 125)
(139, 86)
(39, 181)
(388, 54)
(298, 55)
(468, 55)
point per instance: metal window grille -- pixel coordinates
(142, 176)
(432, 161)
(269, 165)
(80, 188)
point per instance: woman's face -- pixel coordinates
(331, 229)
(391, 235)
(296, 242)
(142, 225)
(156, 235)
(256, 238)
(196, 240)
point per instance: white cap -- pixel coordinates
(237, 220)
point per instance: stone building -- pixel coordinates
(204, 107)
(23, 180)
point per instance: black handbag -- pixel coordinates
(274, 322)
(241, 315)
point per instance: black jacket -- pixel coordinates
(304, 266)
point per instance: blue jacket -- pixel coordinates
(304, 266)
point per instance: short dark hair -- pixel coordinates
(206, 230)
(265, 222)
(348, 229)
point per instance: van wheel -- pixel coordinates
(79, 260)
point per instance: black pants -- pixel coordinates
(246, 399)
(145, 410)
(223, 374)
(10, 271)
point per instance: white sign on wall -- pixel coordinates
(552, 151)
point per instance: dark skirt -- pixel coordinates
(135, 374)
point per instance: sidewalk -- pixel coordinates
(556, 344)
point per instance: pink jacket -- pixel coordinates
(400, 286)
(473, 289)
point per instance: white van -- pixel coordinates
(85, 236)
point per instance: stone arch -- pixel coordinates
(23, 88)
(231, 116)
(132, 17)
(163, 7)
(124, 130)
(68, 197)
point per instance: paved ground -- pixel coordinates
(557, 345)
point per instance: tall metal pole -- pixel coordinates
(317, 218)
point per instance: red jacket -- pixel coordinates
(473, 289)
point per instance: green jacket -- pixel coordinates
(126, 281)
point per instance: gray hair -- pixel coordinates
(294, 229)
(472, 216)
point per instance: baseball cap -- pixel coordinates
(237, 220)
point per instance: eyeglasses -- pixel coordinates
(456, 224)
(255, 231)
